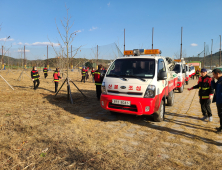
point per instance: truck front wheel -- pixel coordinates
(181, 89)
(159, 115)
(170, 99)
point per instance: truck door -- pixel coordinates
(161, 84)
(183, 73)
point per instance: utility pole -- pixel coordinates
(21, 58)
(97, 56)
(124, 40)
(204, 56)
(181, 43)
(220, 52)
(47, 57)
(152, 36)
(8, 59)
(211, 55)
(24, 57)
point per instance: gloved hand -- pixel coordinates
(190, 88)
(210, 97)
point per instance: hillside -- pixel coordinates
(215, 59)
(53, 62)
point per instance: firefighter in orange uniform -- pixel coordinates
(98, 76)
(56, 76)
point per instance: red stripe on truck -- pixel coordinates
(137, 104)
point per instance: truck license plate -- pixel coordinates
(121, 102)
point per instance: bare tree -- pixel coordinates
(177, 55)
(67, 39)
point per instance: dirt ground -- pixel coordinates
(40, 131)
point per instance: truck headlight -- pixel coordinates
(179, 78)
(103, 88)
(150, 91)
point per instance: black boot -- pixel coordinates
(219, 130)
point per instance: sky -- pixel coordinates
(102, 22)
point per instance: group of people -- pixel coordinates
(36, 77)
(97, 77)
(85, 74)
(210, 91)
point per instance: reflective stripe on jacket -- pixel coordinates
(205, 88)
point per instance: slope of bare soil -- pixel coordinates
(39, 131)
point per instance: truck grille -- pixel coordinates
(132, 108)
(129, 93)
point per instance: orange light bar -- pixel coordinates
(152, 51)
(128, 52)
(178, 60)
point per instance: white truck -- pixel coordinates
(139, 84)
(192, 71)
(181, 72)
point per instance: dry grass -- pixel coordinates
(38, 131)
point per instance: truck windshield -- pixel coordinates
(177, 68)
(191, 67)
(132, 68)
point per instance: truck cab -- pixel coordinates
(192, 71)
(180, 71)
(139, 84)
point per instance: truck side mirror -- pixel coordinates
(184, 71)
(162, 75)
